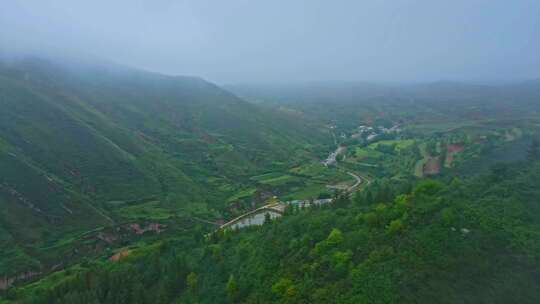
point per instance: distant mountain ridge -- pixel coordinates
(326, 92)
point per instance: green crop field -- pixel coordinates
(150, 211)
(367, 153)
(242, 194)
(310, 170)
(397, 144)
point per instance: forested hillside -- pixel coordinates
(116, 184)
(469, 240)
(81, 145)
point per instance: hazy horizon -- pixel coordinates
(289, 41)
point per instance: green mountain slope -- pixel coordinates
(89, 149)
(472, 240)
(76, 138)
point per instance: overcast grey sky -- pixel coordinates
(229, 41)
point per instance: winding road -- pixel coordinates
(358, 181)
(278, 207)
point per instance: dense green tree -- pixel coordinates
(192, 282)
(232, 289)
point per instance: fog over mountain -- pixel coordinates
(301, 40)
(269, 151)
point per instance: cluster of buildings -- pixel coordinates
(370, 134)
(309, 203)
(332, 157)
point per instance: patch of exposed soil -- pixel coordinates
(432, 166)
(120, 255)
(451, 151)
(154, 227)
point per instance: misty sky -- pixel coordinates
(229, 41)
